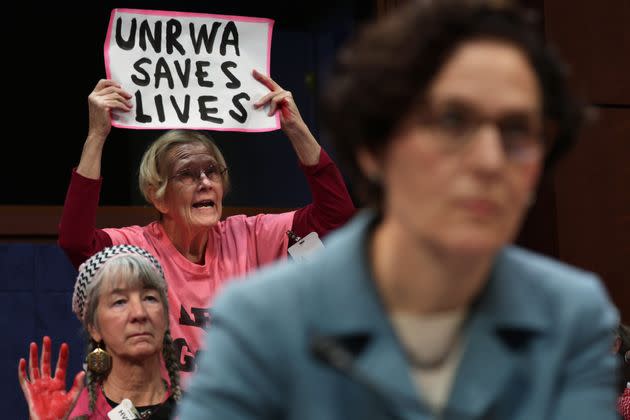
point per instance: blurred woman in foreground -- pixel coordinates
(448, 112)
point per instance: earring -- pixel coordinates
(99, 361)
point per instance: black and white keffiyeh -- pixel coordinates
(89, 269)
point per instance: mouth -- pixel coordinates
(145, 334)
(481, 207)
(204, 204)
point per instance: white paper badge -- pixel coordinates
(123, 411)
(305, 248)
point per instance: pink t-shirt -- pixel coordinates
(235, 246)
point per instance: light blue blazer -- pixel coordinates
(538, 345)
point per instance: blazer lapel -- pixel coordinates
(484, 372)
(502, 323)
(347, 307)
(384, 363)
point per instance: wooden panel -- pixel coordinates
(593, 203)
(593, 37)
(40, 223)
(539, 232)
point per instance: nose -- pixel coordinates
(487, 152)
(204, 179)
(137, 311)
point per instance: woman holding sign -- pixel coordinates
(184, 176)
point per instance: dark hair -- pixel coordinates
(386, 70)
(623, 332)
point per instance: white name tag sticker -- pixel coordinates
(305, 248)
(123, 411)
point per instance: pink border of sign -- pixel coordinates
(270, 22)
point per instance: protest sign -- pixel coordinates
(189, 70)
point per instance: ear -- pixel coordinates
(370, 166)
(93, 331)
(158, 203)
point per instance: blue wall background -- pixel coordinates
(35, 300)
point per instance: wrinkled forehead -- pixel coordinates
(189, 154)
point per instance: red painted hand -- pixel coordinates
(46, 396)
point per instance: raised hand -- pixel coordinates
(291, 121)
(46, 395)
(106, 96)
(279, 99)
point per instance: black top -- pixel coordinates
(161, 411)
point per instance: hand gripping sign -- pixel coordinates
(189, 70)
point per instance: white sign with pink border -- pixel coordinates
(189, 70)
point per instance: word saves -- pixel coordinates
(170, 71)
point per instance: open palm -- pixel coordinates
(46, 395)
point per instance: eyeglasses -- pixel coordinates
(522, 134)
(189, 176)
